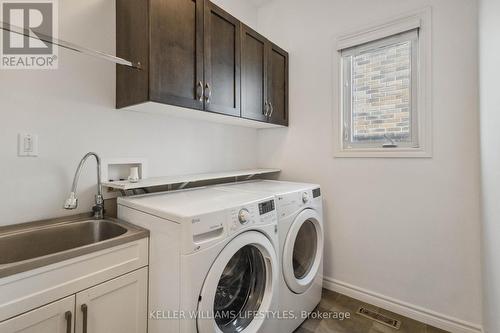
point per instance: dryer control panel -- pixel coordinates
(289, 204)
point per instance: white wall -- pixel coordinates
(418, 245)
(72, 111)
(490, 154)
(406, 231)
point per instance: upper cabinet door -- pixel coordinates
(222, 88)
(278, 85)
(253, 75)
(176, 52)
(132, 42)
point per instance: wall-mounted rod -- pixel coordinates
(68, 45)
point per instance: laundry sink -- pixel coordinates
(32, 245)
(40, 242)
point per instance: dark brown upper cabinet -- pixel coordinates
(253, 75)
(222, 61)
(197, 56)
(277, 76)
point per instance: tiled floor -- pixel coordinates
(334, 303)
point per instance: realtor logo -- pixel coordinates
(39, 17)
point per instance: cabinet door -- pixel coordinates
(176, 52)
(222, 61)
(116, 306)
(132, 42)
(278, 85)
(56, 317)
(253, 75)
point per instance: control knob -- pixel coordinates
(305, 197)
(244, 216)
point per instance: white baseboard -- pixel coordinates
(418, 313)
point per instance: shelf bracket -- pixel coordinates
(183, 185)
(249, 177)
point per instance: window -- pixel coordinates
(380, 85)
(383, 96)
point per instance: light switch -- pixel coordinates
(27, 145)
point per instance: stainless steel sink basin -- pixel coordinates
(40, 242)
(36, 244)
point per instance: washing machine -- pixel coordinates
(301, 240)
(213, 259)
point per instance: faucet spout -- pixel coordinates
(72, 201)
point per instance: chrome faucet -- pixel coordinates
(72, 201)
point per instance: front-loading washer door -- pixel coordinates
(303, 251)
(238, 290)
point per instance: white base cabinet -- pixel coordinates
(56, 317)
(116, 306)
(101, 292)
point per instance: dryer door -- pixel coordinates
(239, 288)
(303, 251)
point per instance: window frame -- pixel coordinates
(387, 34)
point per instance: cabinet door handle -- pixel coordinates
(271, 109)
(199, 91)
(266, 107)
(209, 95)
(84, 309)
(68, 315)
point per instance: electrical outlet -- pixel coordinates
(27, 145)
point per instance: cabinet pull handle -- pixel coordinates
(199, 91)
(85, 315)
(68, 315)
(209, 96)
(271, 109)
(266, 107)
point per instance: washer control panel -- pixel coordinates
(262, 212)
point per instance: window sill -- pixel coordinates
(383, 153)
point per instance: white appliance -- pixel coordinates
(213, 259)
(301, 240)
